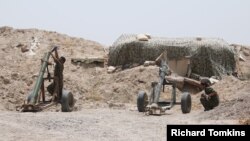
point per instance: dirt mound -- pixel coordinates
(92, 86)
(19, 69)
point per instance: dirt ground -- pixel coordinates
(106, 103)
(95, 124)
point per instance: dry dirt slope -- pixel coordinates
(98, 95)
(89, 85)
(18, 68)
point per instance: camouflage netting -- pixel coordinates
(209, 56)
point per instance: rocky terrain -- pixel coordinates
(106, 102)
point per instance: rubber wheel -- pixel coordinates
(186, 103)
(67, 101)
(142, 101)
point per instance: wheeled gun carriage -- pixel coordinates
(151, 104)
(36, 100)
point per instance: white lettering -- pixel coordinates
(243, 133)
(178, 132)
(182, 133)
(202, 133)
(210, 132)
(228, 132)
(174, 132)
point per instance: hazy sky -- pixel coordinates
(105, 20)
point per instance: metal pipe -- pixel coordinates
(163, 72)
(35, 92)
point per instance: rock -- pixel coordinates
(6, 81)
(149, 63)
(21, 92)
(19, 45)
(246, 52)
(111, 69)
(141, 81)
(29, 82)
(212, 80)
(24, 49)
(241, 58)
(14, 76)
